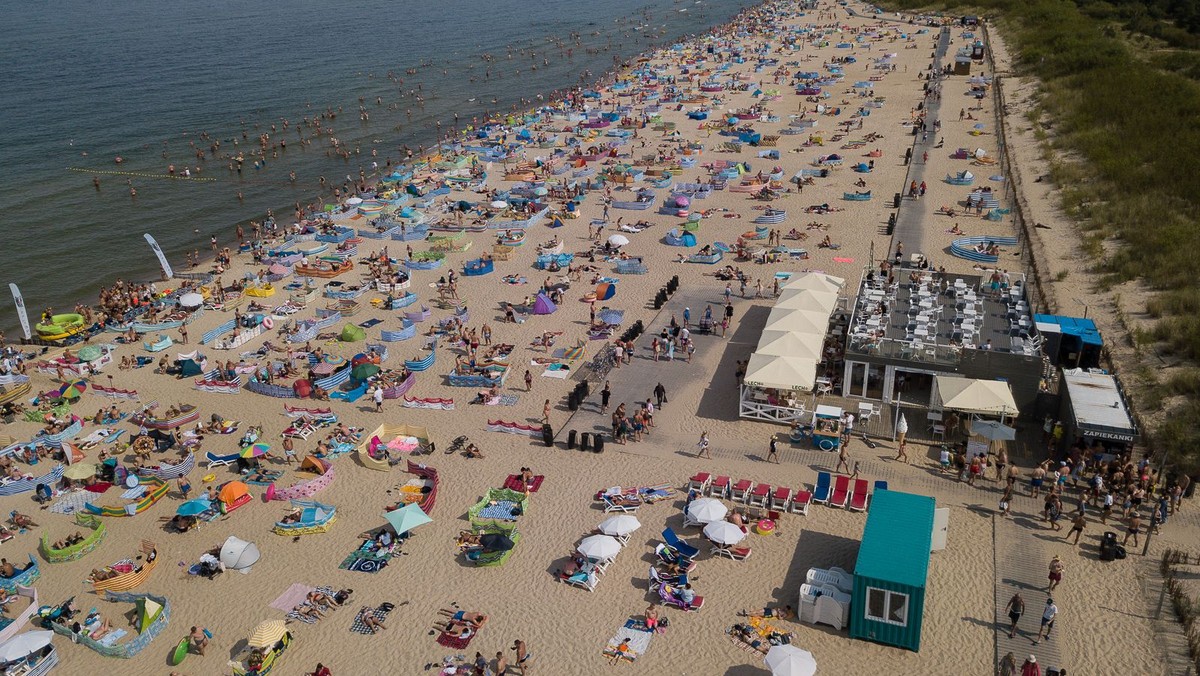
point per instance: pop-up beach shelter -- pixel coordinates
(543, 305)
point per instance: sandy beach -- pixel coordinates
(1103, 626)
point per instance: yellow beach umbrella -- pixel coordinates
(83, 470)
(266, 634)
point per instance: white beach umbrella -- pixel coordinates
(354, 201)
(191, 300)
(723, 532)
(19, 647)
(599, 547)
(620, 525)
(707, 510)
(618, 240)
(788, 660)
(499, 204)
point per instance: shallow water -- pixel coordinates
(88, 81)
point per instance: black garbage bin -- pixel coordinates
(1108, 546)
(547, 435)
(896, 201)
(585, 441)
(572, 401)
(599, 447)
(571, 440)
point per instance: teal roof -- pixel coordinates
(896, 539)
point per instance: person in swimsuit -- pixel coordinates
(523, 655)
(1015, 608)
(1056, 572)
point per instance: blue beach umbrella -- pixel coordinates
(407, 518)
(194, 507)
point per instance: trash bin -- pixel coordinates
(571, 440)
(1108, 546)
(547, 435)
(585, 441)
(572, 401)
(599, 447)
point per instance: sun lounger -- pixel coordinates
(679, 546)
(587, 580)
(858, 496)
(735, 553)
(719, 487)
(800, 502)
(617, 505)
(657, 578)
(841, 492)
(833, 576)
(741, 490)
(781, 498)
(667, 594)
(759, 496)
(700, 482)
(821, 492)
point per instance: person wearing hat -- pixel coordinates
(1048, 615)
(1031, 667)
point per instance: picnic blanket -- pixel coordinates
(71, 503)
(291, 597)
(455, 642)
(503, 509)
(513, 483)
(360, 627)
(268, 477)
(368, 324)
(134, 493)
(634, 631)
(363, 561)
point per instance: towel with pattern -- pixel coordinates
(513, 483)
(360, 627)
(635, 634)
(503, 509)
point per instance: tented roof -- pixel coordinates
(794, 337)
(985, 397)
(781, 373)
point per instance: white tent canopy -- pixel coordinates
(799, 321)
(781, 373)
(237, 554)
(983, 397)
(789, 344)
(805, 299)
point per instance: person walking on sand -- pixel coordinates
(546, 411)
(1077, 528)
(378, 396)
(773, 450)
(1048, 614)
(660, 395)
(605, 394)
(528, 380)
(703, 446)
(1056, 573)
(1015, 609)
(523, 655)
(843, 459)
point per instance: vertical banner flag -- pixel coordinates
(21, 313)
(162, 258)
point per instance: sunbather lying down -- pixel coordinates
(783, 613)
(367, 615)
(456, 629)
(476, 620)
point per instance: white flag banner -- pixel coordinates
(162, 258)
(21, 313)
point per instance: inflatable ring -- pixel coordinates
(209, 478)
(268, 323)
(825, 445)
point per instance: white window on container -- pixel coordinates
(887, 606)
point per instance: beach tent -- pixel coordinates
(232, 492)
(982, 397)
(888, 598)
(815, 281)
(148, 611)
(407, 518)
(189, 368)
(352, 334)
(806, 299)
(237, 554)
(312, 463)
(781, 373)
(543, 305)
(605, 290)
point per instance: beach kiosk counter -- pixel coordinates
(827, 428)
(888, 601)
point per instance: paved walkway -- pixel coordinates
(910, 222)
(1021, 565)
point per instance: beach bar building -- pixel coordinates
(1094, 412)
(888, 601)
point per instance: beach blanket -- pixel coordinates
(505, 400)
(268, 477)
(98, 487)
(291, 597)
(560, 371)
(360, 627)
(134, 493)
(71, 502)
(298, 616)
(362, 561)
(454, 642)
(503, 509)
(112, 637)
(839, 259)
(370, 322)
(634, 631)
(513, 483)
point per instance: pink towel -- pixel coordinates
(843, 260)
(292, 597)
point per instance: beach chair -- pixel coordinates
(833, 576)
(585, 579)
(759, 496)
(840, 492)
(821, 491)
(858, 496)
(299, 430)
(668, 597)
(665, 554)
(617, 504)
(735, 553)
(689, 522)
(781, 498)
(880, 485)
(800, 502)
(657, 579)
(700, 482)
(719, 487)
(679, 546)
(741, 490)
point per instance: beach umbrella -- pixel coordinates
(612, 317)
(788, 660)
(266, 634)
(618, 240)
(605, 290)
(90, 353)
(499, 204)
(724, 533)
(191, 300)
(407, 518)
(992, 430)
(73, 389)
(707, 510)
(256, 450)
(541, 192)
(599, 547)
(364, 371)
(20, 647)
(496, 542)
(194, 507)
(620, 525)
(83, 470)
(354, 201)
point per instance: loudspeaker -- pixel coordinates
(599, 443)
(571, 440)
(1108, 546)
(547, 435)
(585, 441)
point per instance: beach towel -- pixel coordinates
(638, 637)
(360, 627)
(503, 509)
(505, 400)
(370, 322)
(560, 371)
(301, 617)
(363, 561)
(268, 477)
(291, 597)
(135, 493)
(98, 487)
(71, 502)
(838, 259)
(455, 642)
(112, 637)
(783, 275)
(513, 483)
